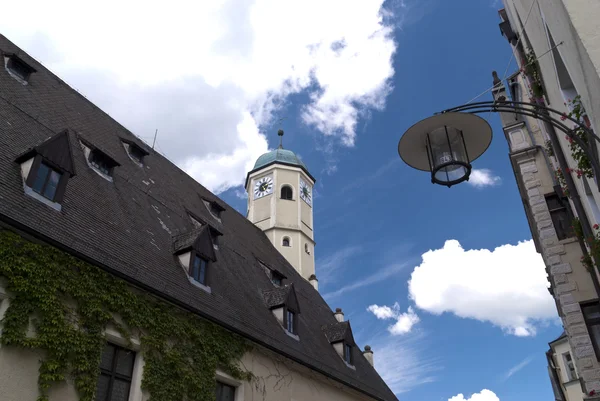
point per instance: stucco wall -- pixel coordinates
(278, 379)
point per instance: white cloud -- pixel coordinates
(404, 321)
(384, 312)
(517, 367)
(483, 395)
(484, 177)
(209, 74)
(506, 286)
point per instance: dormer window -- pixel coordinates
(135, 152)
(46, 169)
(214, 208)
(101, 162)
(18, 69)
(282, 301)
(348, 354)
(195, 252)
(276, 278)
(340, 337)
(46, 181)
(290, 321)
(198, 269)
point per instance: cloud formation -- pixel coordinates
(209, 75)
(506, 286)
(481, 178)
(483, 395)
(404, 321)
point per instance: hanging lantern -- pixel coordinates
(445, 145)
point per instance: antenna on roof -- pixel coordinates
(154, 141)
(280, 133)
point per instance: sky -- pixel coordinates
(444, 284)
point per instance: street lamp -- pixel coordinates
(446, 144)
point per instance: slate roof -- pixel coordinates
(337, 331)
(276, 297)
(127, 226)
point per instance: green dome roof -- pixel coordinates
(283, 156)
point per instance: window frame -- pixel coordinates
(222, 383)
(275, 276)
(46, 180)
(95, 156)
(294, 325)
(291, 192)
(61, 186)
(193, 257)
(590, 322)
(348, 357)
(13, 59)
(569, 369)
(113, 374)
(289, 242)
(561, 234)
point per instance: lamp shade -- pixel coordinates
(445, 145)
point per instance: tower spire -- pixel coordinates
(280, 133)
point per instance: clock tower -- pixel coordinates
(280, 202)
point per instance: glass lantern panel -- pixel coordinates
(446, 145)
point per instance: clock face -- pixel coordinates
(305, 192)
(263, 187)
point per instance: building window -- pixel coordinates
(569, 366)
(276, 278)
(591, 314)
(286, 241)
(560, 216)
(290, 321)
(136, 154)
(116, 369)
(224, 392)
(198, 269)
(286, 192)
(46, 181)
(101, 163)
(18, 69)
(348, 353)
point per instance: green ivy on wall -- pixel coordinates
(69, 303)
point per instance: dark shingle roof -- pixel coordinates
(127, 226)
(276, 297)
(337, 331)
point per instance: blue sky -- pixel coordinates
(375, 212)
(348, 82)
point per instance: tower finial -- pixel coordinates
(280, 133)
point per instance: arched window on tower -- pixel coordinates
(286, 192)
(286, 241)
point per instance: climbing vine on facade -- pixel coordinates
(584, 167)
(532, 70)
(69, 303)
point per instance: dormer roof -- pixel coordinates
(338, 331)
(282, 296)
(198, 239)
(55, 150)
